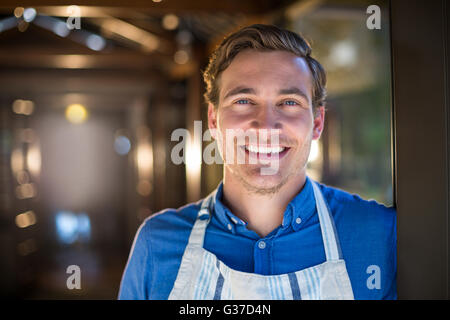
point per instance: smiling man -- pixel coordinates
(268, 231)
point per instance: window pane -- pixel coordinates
(354, 152)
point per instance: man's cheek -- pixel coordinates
(220, 143)
(226, 147)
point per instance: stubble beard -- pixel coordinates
(245, 176)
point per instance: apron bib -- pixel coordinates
(202, 276)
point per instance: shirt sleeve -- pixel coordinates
(137, 274)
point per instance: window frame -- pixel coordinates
(420, 38)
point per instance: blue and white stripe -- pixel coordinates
(208, 276)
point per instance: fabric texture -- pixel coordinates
(366, 229)
(203, 277)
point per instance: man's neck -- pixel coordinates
(262, 212)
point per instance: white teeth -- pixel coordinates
(260, 149)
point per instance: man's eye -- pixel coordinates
(290, 103)
(242, 101)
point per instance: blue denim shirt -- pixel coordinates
(366, 232)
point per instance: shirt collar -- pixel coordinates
(301, 208)
(298, 211)
(223, 214)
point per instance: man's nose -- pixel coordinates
(266, 117)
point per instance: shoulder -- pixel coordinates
(156, 253)
(357, 208)
(170, 220)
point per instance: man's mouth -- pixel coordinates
(262, 152)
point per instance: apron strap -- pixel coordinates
(329, 234)
(201, 222)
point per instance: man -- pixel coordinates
(266, 234)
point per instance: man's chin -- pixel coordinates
(262, 182)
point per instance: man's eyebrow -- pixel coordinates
(239, 90)
(294, 90)
(242, 89)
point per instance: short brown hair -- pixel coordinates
(262, 38)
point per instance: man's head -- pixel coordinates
(263, 78)
(262, 38)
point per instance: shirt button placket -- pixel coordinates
(261, 244)
(262, 257)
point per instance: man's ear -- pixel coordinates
(319, 122)
(212, 120)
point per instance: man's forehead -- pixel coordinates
(253, 60)
(277, 70)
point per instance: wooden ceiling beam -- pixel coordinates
(165, 6)
(76, 81)
(46, 58)
(41, 58)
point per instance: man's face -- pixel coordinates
(267, 95)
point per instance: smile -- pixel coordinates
(265, 152)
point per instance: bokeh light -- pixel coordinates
(170, 22)
(71, 227)
(122, 145)
(76, 113)
(25, 219)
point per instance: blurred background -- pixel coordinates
(86, 117)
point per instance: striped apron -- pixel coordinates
(202, 276)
